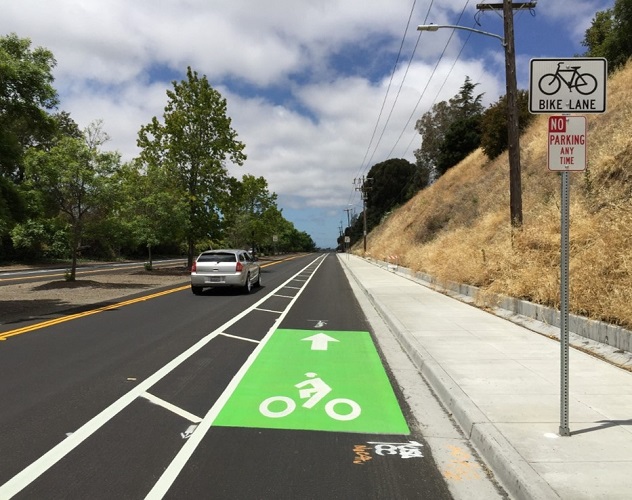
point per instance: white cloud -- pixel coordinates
(306, 122)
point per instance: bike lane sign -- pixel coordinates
(332, 381)
(575, 85)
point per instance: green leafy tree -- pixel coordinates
(251, 213)
(12, 211)
(610, 34)
(432, 126)
(450, 130)
(74, 175)
(148, 210)
(392, 183)
(463, 133)
(191, 145)
(494, 139)
(461, 138)
(293, 240)
(26, 93)
(37, 238)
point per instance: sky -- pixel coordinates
(319, 91)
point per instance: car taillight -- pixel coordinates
(193, 267)
(240, 267)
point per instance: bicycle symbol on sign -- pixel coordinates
(584, 83)
(314, 389)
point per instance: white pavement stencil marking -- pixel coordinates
(320, 341)
(21, 480)
(190, 430)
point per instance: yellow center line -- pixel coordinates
(70, 317)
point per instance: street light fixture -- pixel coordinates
(513, 134)
(435, 27)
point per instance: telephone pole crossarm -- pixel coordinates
(499, 6)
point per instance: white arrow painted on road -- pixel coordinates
(320, 341)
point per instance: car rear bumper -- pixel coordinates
(218, 280)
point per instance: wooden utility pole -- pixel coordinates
(361, 186)
(513, 127)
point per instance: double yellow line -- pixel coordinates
(118, 305)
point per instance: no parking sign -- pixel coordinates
(567, 143)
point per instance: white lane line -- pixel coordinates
(240, 338)
(178, 463)
(22, 479)
(172, 408)
(268, 311)
(294, 287)
(283, 296)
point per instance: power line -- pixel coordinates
(401, 45)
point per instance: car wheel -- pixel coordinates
(258, 283)
(197, 290)
(247, 285)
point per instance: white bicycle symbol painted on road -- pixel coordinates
(314, 389)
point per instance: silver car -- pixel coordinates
(225, 268)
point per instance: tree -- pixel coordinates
(461, 138)
(26, 92)
(432, 127)
(12, 211)
(610, 35)
(392, 183)
(450, 130)
(251, 213)
(148, 209)
(462, 135)
(494, 124)
(192, 145)
(74, 175)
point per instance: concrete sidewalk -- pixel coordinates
(501, 382)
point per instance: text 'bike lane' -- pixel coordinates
(331, 381)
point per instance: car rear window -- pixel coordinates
(217, 257)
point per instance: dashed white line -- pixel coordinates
(240, 338)
(172, 408)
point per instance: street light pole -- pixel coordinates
(513, 126)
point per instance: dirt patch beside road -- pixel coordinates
(43, 300)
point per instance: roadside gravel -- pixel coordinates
(45, 300)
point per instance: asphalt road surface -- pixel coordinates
(277, 394)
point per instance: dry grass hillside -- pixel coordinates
(458, 229)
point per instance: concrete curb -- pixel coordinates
(610, 342)
(517, 476)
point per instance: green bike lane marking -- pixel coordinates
(316, 380)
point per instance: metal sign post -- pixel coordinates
(567, 153)
(564, 379)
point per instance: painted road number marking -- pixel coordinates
(291, 385)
